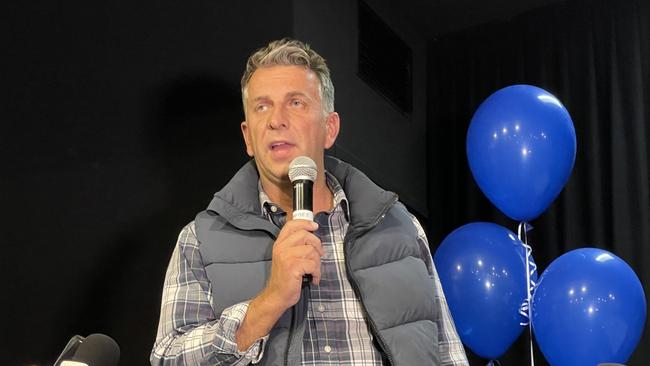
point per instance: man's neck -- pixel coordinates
(281, 193)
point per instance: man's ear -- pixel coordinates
(245, 131)
(332, 126)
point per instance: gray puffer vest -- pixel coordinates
(382, 261)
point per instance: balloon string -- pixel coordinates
(531, 268)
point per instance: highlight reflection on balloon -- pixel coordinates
(482, 269)
(588, 308)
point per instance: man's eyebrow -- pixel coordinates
(288, 95)
(297, 94)
(261, 97)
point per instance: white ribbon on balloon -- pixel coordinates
(531, 268)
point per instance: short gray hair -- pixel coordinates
(286, 52)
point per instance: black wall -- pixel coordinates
(119, 121)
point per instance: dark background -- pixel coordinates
(120, 120)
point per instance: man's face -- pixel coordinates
(285, 119)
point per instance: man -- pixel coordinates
(234, 292)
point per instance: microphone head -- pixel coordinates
(70, 349)
(98, 350)
(302, 168)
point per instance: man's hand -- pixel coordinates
(296, 252)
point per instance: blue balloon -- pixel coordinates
(588, 308)
(482, 268)
(521, 147)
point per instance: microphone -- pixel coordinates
(302, 173)
(69, 349)
(96, 350)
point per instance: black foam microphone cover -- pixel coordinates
(98, 350)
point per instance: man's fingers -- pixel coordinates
(312, 267)
(296, 225)
(313, 241)
(306, 252)
(304, 260)
(302, 238)
(316, 275)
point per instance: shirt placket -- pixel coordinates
(321, 296)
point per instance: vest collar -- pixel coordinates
(238, 201)
(367, 201)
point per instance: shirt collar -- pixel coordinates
(338, 197)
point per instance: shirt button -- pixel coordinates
(321, 308)
(327, 349)
(274, 209)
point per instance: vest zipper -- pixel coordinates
(298, 318)
(291, 330)
(355, 285)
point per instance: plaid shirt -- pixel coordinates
(336, 332)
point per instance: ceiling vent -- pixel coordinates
(385, 61)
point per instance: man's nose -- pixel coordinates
(279, 119)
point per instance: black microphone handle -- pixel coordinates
(303, 200)
(303, 195)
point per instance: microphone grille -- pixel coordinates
(302, 167)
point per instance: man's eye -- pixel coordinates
(297, 103)
(261, 108)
